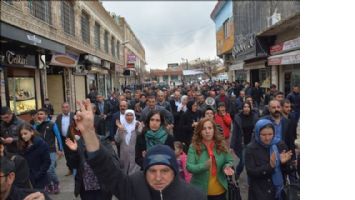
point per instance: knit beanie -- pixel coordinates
(160, 155)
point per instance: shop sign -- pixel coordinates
(106, 64)
(285, 59)
(244, 42)
(66, 60)
(34, 39)
(285, 46)
(93, 59)
(13, 59)
(131, 58)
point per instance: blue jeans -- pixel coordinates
(53, 178)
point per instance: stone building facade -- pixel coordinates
(76, 45)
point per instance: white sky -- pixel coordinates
(170, 30)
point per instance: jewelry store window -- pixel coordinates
(22, 94)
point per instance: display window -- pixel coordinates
(22, 94)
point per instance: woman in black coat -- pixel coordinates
(266, 161)
(243, 126)
(153, 133)
(187, 123)
(36, 152)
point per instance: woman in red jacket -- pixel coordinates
(224, 120)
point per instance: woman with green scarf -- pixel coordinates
(153, 133)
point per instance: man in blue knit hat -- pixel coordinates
(158, 180)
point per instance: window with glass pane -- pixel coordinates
(97, 35)
(85, 31)
(22, 94)
(113, 46)
(118, 49)
(68, 17)
(41, 9)
(106, 41)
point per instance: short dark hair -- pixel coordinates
(208, 108)
(42, 110)
(279, 93)
(7, 166)
(285, 101)
(5, 110)
(221, 104)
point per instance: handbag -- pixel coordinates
(233, 189)
(291, 191)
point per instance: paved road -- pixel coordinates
(67, 183)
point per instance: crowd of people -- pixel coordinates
(156, 143)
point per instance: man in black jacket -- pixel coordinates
(10, 191)
(22, 171)
(8, 126)
(159, 180)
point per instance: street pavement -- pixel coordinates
(67, 183)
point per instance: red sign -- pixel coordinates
(285, 46)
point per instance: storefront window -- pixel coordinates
(265, 78)
(101, 84)
(22, 94)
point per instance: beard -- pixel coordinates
(276, 114)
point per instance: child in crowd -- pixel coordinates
(182, 159)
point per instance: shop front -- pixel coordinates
(284, 57)
(60, 78)
(19, 78)
(250, 53)
(22, 68)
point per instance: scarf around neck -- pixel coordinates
(210, 147)
(155, 137)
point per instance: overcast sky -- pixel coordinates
(170, 30)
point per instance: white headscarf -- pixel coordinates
(180, 107)
(130, 127)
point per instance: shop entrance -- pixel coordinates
(254, 76)
(55, 88)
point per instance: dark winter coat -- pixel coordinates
(17, 193)
(141, 145)
(49, 131)
(22, 172)
(237, 142)
(10, 130)
(135, 186)
(37, 157)
(259, 170)
(185, 129)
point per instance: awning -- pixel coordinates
(191, 72)
(21, 35)
(289, 58)
(238, 66)
(255, 65)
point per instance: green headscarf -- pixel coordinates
(155, 137)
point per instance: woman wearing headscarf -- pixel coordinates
(154, 133)
(187, 123)
(126, 136)
(266, 159)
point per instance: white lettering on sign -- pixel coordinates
(12, 58)
(34, 39)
